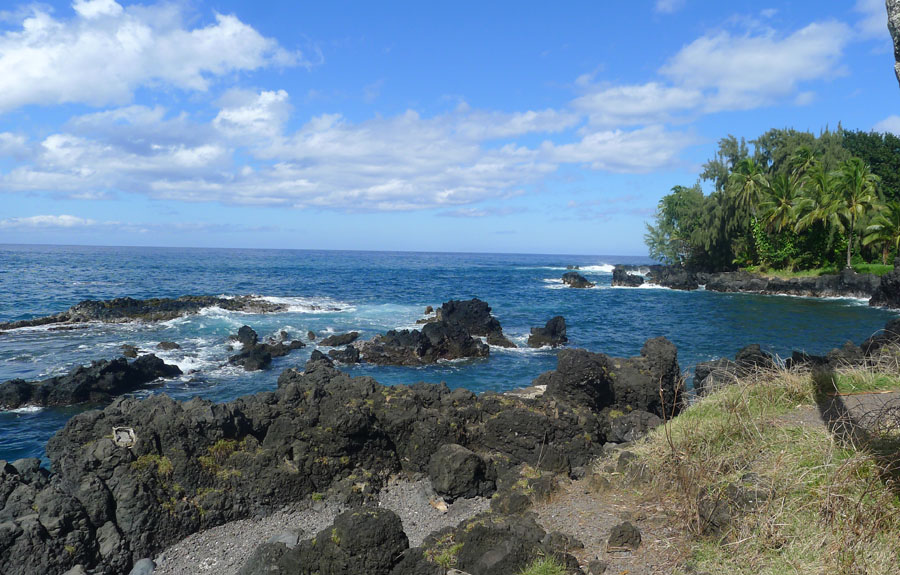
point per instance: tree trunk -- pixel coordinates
(850, 238)
(884, 254)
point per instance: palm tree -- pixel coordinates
(778, 207)
(802, 161)
(814, 204)
(746, 184)
(855, 194)
(885, 229)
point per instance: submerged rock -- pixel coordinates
(99, 382)
(553, 333)
(576, 280)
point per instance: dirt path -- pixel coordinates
(588, 514)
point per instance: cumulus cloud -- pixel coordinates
(890, 124)
(105, 52)
(637, 104)
(746, 71)
(636, 151)
(245, 113)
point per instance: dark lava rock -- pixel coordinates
(193, 465)
(888, 292)
(571, 267)
(347, 355)
(889, 336)
(474, 317)
(167, 345)
(436, 341)
(632, 426)
(365, 540)
(621, 277)
(340, 339)
(255, 355)
(673, 277)
(457, 472)
(752, 357)
(99, 382)
(599, 381)
(576, 280)
(246, 336)
(552, 334)
(311, 335)
(127, 309)
(845, 284)
(624, 536)
(129, 351)
(428, 309)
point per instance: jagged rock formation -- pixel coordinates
(254, 355)
(553, 333)
(621, 277)
(893, 12)
(576, 280)
(98, 382)
(192, 465)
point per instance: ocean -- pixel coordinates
(371, 292)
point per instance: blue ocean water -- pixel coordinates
(372, 292)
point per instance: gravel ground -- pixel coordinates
(222, 550)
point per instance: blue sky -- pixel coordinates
(471, 126)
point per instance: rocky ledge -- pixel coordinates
(576, 280)
(144, 473)
(883, 291)
(97, 383)
(126, 309)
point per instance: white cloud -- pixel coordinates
(48, 221)
(637, 104)
(669, 6)
(103, 54)
(635, 151)
(753, 70)
(246, 113)
(873, 19)
(890, 124)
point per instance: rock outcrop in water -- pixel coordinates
(186, 466)
(340, 339)
(446, 336)
(97, 383)
(576, 280)
(127, 309)
(848, 283)
(553, 333)
(621, 277)
(254, 355)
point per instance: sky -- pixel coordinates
(527, 127)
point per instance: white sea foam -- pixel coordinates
(596, 269)
(318, 305)
(27, 409)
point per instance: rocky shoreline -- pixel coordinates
(139, 475)
(881, 291)
(132, 479)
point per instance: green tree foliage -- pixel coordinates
(882, 153)
(796, 199)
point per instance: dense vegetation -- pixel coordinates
(789, 200)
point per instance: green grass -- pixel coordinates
(859, 381)
(877, 269)
(544, 566)
(828, 507)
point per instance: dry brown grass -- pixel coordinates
(817, 503)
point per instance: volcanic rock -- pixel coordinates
(576, 280)
(552, 334)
